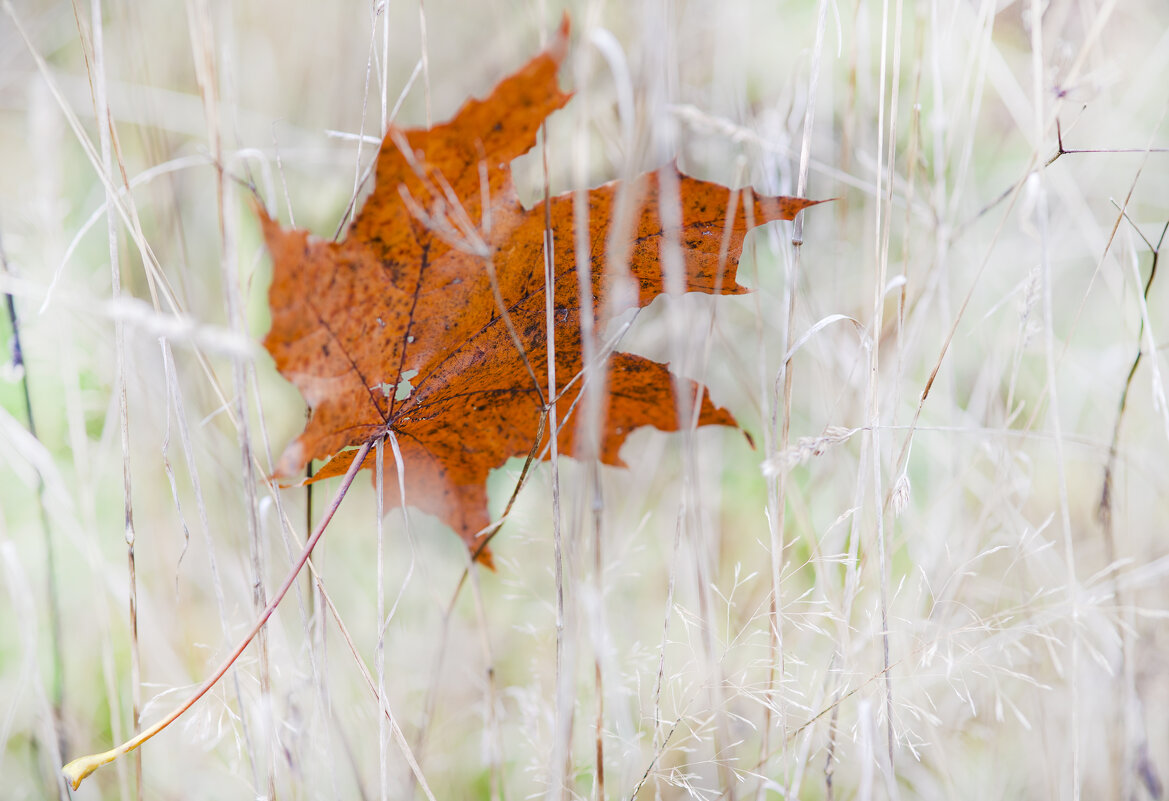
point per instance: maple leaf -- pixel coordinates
(408, 296)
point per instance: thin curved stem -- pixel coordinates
(76, 771)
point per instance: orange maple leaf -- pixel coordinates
(408, 297)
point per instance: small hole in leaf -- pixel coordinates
(404, 386)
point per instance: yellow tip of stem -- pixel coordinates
(78, 769)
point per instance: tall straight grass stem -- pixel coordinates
(1038, 90)
(560, 770)
(204, 42)
(777, 489)
(105, 131)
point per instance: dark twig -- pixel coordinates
(57, 694)
(1060, 150)
(1144, 768)
(1063, 151)
(1104, 509)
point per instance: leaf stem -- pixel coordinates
(76, 771)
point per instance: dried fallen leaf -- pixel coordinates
(408, 297)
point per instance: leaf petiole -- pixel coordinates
(76, 771)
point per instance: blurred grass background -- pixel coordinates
(958, 614)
